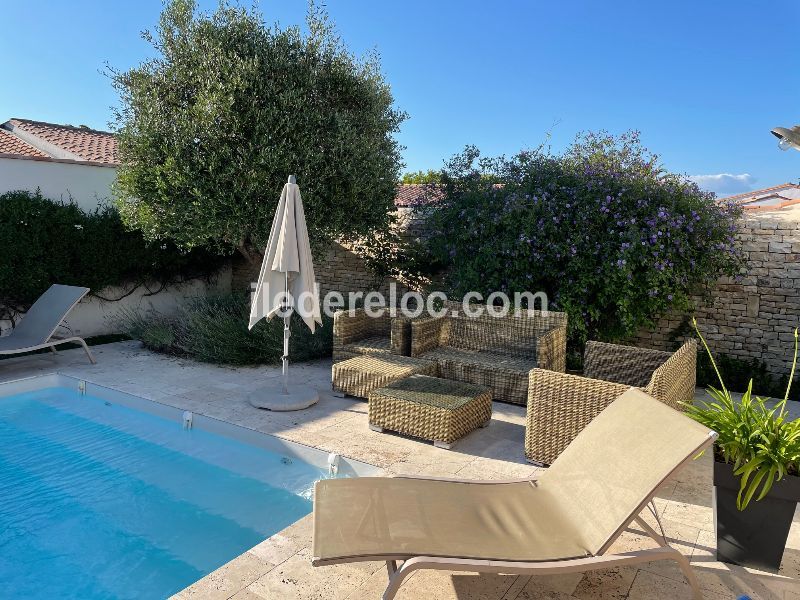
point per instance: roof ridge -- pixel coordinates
(768, 196)
(767, 189)
(83, 129)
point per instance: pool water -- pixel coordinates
(98, 500)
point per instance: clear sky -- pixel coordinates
(704, 81)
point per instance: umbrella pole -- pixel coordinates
(285, 358)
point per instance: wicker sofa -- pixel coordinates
(491, 351)
(357, 333)
(561, 405)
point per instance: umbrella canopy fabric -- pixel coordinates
(287, 256)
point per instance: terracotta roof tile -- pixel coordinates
(11, 144)
(415, 194)
(88, 144)
(753, 193)
(771, 198)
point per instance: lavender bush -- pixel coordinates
(603, 229)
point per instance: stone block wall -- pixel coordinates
(340, 270)
(756, 316)
(412, 223)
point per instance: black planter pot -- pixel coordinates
(756, 536)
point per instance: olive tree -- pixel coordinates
(210, 128)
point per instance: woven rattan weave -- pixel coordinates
(356, 333)
(561, 405)
(430, 408)
(360, 375)
(497, 352)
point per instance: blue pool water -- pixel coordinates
(101, 501)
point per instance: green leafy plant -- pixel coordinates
(211, 126)
(603, 229)
(419, 177)
(214, 329)
(738, 372)
(760, 442)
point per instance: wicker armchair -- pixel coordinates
(491, 351)
(357, 334)
(561, 405)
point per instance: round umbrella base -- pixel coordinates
(272, 397)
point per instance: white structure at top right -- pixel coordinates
(771, 198)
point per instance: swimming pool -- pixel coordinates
(106, 495)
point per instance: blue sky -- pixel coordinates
(703, 81)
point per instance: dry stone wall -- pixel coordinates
(339, 270)
(755, 317)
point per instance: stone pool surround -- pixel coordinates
(280, 566)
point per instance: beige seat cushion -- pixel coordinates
(482, 358)
(506, 375)
(370, 345)
(398, 518)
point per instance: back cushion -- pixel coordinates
(617, 462)
(505, 335)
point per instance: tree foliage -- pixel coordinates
(212, 126)
(429, 176)
(612, 238)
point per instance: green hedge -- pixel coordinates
(44, 242)
(737, 374)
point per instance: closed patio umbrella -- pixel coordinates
(286, 280)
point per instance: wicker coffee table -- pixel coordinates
(430, 408)
(360, 375)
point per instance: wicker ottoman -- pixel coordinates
(430, 408)
(360, 375)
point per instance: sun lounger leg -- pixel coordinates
(682, 561)
(86, 349)
(396, 579)
(686, 568)
(53, 350)
(657, 537)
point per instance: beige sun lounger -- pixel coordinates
(37, 328)
(565, 521)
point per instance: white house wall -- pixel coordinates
(86, 185)
(93, 316)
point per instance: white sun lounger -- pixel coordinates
(37, 328)
(564, 521)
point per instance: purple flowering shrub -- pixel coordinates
(612, 238)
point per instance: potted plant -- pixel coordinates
(756, 477)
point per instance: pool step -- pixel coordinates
(98, 474)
